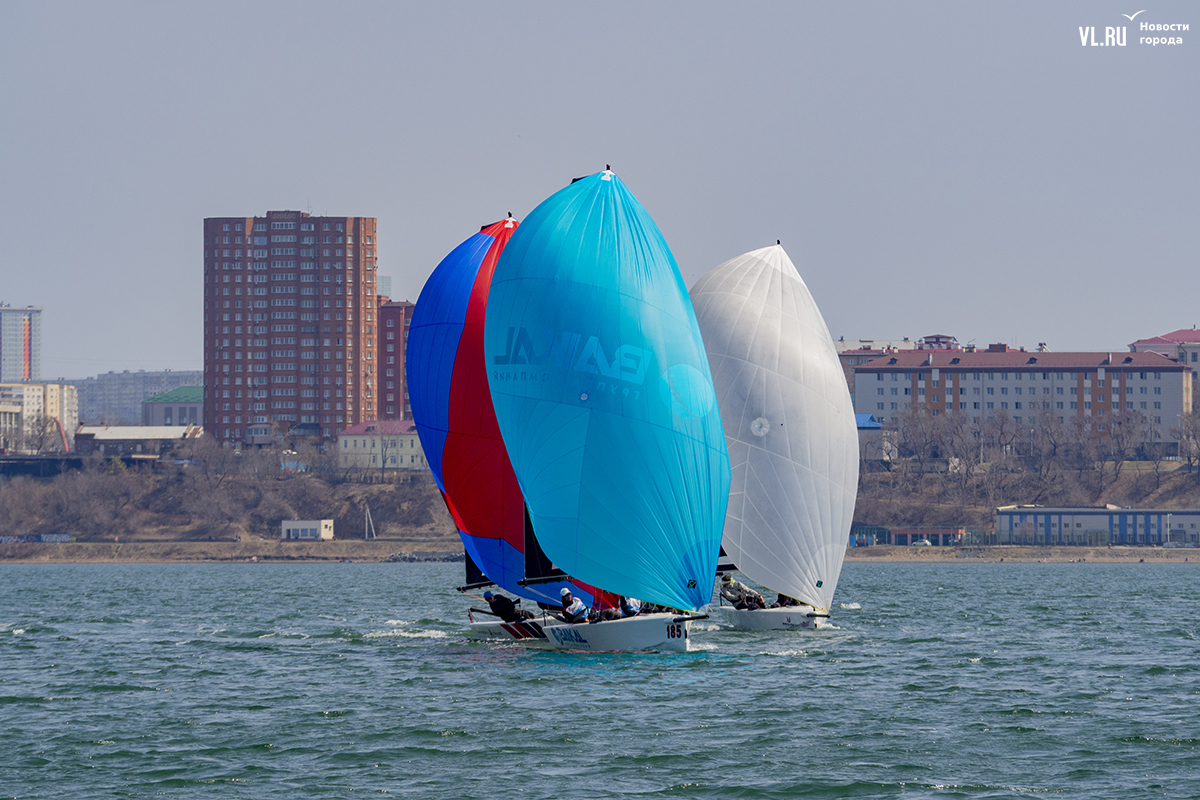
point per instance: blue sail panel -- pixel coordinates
(453, 413)
(603, 394)
(433, 336)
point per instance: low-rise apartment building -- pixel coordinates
(853, 352)
(1094, 387)
(381, 444)
(1182, 345)
(179, 407)
(1037, 525)
(130, 440)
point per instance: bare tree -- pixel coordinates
(962, 441)
(210, 470)
(1046, 462)
(919, 436)
(1125, 430)
(322, 461)
(22, 499)
(1153, 448)
(41, 434)
(386, 444)
(1188, 436)
(214, 464)
(999, 435)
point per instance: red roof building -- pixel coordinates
(1024, 385)
(863, 351)
(1181, 336)
(381, 444)
(1182, 345)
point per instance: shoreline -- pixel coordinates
(224, 552)
(403, 550)
(1023, 554)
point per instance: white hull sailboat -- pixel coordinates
(643, 632)
(598, 375)
(792, 618)
(790, 430)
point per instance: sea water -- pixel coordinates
(355, 680)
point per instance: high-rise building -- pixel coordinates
(394, 319)
(20, 343)
(290, 324)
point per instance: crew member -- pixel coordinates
(504, 608)
(784, 601)
(630, 606)
(741, 595)
(573, 609)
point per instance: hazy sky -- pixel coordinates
(934, 167)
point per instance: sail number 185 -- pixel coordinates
(675, 631)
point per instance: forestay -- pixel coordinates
(604, 398)
(789, 424)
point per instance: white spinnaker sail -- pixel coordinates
(789, 424)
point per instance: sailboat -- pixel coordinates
(790, 430)
(455, 421)
(602, 392)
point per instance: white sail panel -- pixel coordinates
(789, 424)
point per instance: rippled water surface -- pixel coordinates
(349, 680)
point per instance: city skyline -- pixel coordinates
(930, 167)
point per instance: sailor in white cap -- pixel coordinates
(573, 608)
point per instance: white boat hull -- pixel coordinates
(643, 632)
(771, 619)
(531, 631)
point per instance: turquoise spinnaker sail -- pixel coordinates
(603, 395)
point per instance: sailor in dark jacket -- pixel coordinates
(505, 608)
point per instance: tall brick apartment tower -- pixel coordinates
(394, 319)
(290, 323)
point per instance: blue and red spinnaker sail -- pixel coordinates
(452, 408)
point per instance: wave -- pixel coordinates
(406, 634)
